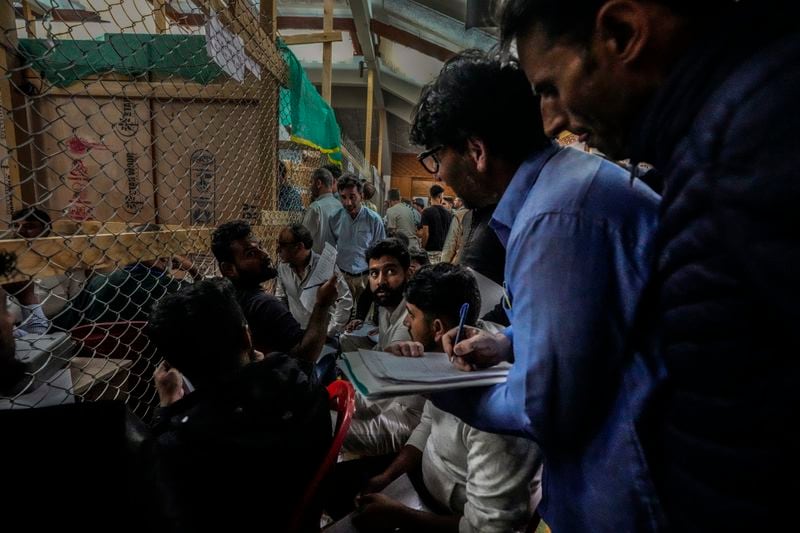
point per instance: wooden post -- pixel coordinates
(160, 14)
(327, 52)
(368, 134)
(268, 15)
(15, 113)
(30, 19)
(381, 133)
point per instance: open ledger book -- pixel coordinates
(382, 375)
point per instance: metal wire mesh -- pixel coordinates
(130, 129)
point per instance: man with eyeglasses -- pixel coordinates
(578, 238)
(298, 263)
(244, 261)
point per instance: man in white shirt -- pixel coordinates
(382, 427)
(488, 481)
(319, 215)
(298, 264)
(400, 219)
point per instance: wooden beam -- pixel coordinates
(327, 51)
(315, 23)
(30, 19)
(368, 133)
(230, 90)
(51, 256)
(237, 18)
(410, 40)
(268, 15)
(160, 16)
(381, 133)
(311, 38)
(15, 114)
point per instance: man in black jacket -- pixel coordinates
(706, 92)
(237, 440)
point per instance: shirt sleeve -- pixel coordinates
(273, 325)
(419, 437)
(425, 218)
(574, 286)
(501, 473)
(280, 292)
(311, 220)
(343, 306)
(380, 231)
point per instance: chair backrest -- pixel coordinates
(342, 397)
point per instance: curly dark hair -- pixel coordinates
(440, 290)
(225, 235)
(335, 170)
(392, 247)
(199, 330)
(476, 95)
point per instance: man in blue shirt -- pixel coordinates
(357, 230)
(577, 234)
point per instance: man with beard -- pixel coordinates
(379, 428)
(487, 481)
(357, 228)
(243, 261)
(578, 239)
(707, 93)
(322, 210)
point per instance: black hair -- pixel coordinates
(440, 290)
(31, 214)
(301, 234)
(369, 190)
(225, 235)
(393, 195)
(574, 22)
(420, 256)
(476, 95)
(393, 248)
(324, 175)
(335, 170)
(349, 180)
(8, 262)
(436, 190)
(199, 330)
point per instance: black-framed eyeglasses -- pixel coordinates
(429, 159)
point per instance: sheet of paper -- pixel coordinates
(226, 49)
(322, 273)
(491, 292)
(430, 368)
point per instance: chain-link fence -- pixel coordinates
(130, 130)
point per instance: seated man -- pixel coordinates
(243, 261)
(488, 482)
(244, 444)
(379, 428)
(388, 273)
(298, 264)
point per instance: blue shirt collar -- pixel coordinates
(517, 192)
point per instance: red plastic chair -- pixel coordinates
(343, 401)
(118, 340)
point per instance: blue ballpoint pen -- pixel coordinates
(462, 317)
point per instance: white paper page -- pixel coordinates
(322, 273)
(226, 49)
(430, 368)
(374, 388)
(491, 292)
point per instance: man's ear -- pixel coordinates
(476, 150)
(623, 29)
(439, 329)
(228, 270)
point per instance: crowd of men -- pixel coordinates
(649, 320)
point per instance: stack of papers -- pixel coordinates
(382, 375)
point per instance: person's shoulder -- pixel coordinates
(252, 299)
